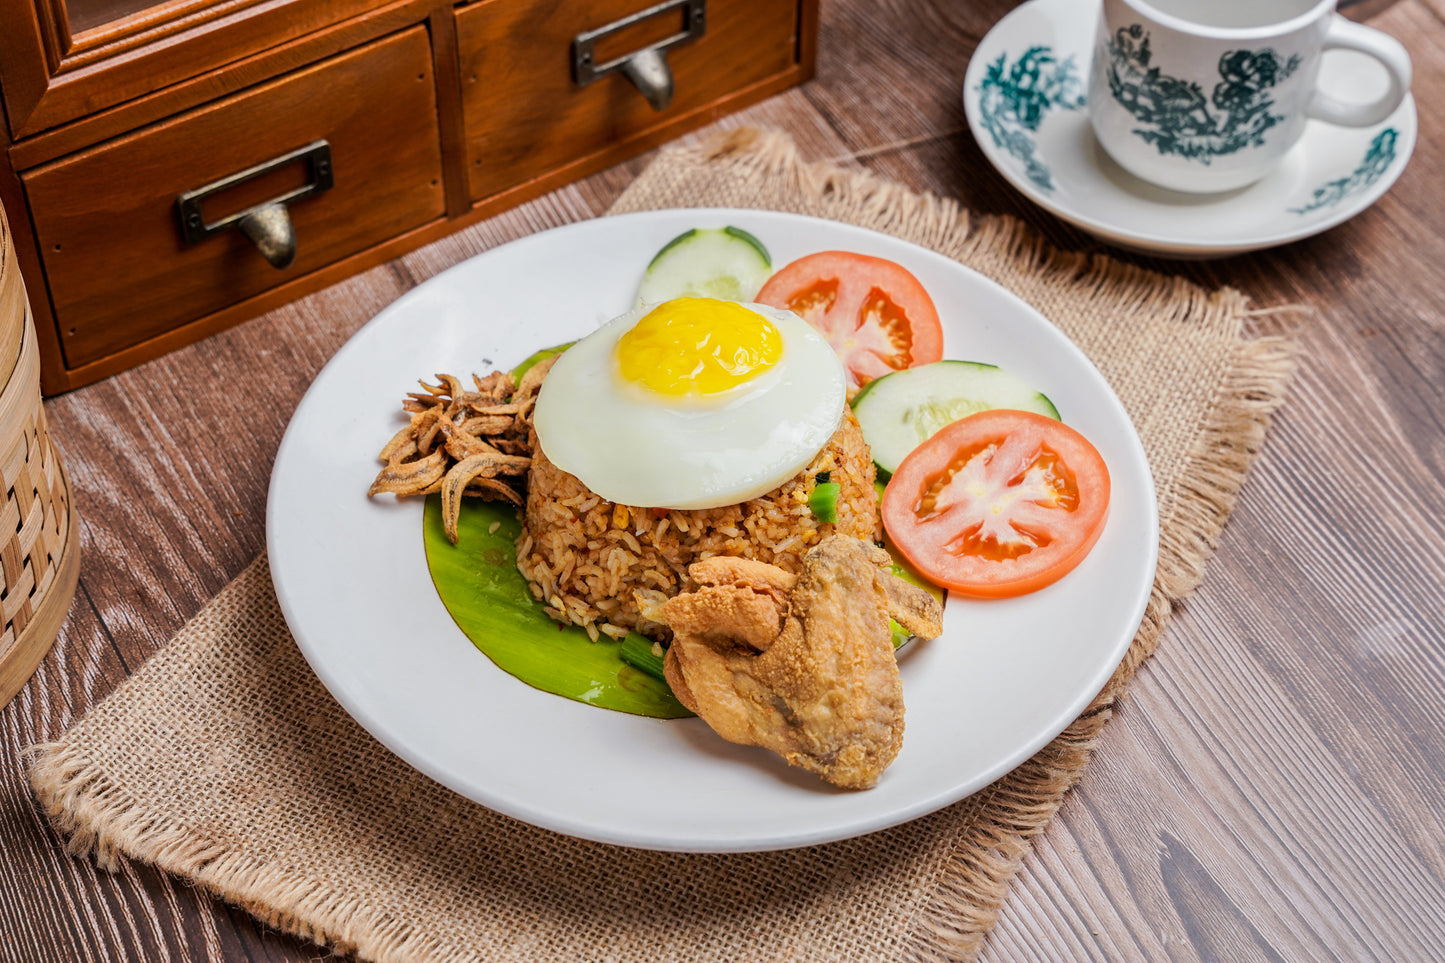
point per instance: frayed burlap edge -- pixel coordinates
(102, 820)
(104, 823)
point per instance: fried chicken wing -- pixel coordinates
(803, 665)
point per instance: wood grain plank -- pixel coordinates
(1270, 698)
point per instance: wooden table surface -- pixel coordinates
(1273, 787)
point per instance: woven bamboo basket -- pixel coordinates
(39, 535)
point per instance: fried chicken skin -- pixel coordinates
(801, 665)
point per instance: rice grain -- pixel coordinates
(599, 574)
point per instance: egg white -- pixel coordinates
(636, 447)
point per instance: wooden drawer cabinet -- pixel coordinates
(435, 115)
(105, 219)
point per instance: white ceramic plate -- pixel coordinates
(1048, 150)
(351, 573)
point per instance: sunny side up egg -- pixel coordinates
(692, 403)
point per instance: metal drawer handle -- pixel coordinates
(646, 68)
(267, 224)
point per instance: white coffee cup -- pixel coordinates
(1209, 95)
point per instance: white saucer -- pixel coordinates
(1042, 143)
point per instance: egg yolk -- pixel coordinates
(698, 346)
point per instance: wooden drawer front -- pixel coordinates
(525, 116)
(116, 265)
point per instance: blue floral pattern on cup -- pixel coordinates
(1378, 158)
(1176, 115)
(1013, 100)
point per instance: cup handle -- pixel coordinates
(1345, 34)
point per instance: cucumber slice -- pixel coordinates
(900, 411)
(707, 262)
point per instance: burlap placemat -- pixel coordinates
(223, 760)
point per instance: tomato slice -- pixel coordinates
(999, 503)
(874, 313)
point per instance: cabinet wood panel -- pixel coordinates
(117, 267)
(525, 115)
(50, 74)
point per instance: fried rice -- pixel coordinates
(601, 565)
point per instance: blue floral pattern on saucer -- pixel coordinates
(1378, 159)
(1014, 99)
